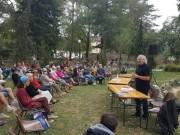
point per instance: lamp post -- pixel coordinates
(79, 42)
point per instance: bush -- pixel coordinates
(172, 68)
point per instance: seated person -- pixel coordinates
(6, 72)
(107, 69)
(54, 76)
(3, 102)
(107, 126)
(7, 92)
(15, 76)
(87, 74)
(78, 74)
(94, 69)
(65, 77)
(123, 70)
(28, 102)
(37, 84)
(45, 80)
(100, 74)
(38, 93)
(158, 95)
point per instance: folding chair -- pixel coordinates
(158, 104)
(26, 126)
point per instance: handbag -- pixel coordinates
(39, 116)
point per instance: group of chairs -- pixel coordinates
(156, 108)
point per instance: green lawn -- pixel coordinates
(84, 105)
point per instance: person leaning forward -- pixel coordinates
(142, 79)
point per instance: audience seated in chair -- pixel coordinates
(155, 92)
(123, 70)
(38, 93)
(54, 76)
(45, 80)
(15, 77)
(37, 84)
(27, 102)
(64, 76)
(107, 69)
(78, 74)
(87, 74)
(100, 75)
(6, 72)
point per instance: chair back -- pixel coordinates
(155, 94)
(20, 105)
(19, 120)
(168, 96)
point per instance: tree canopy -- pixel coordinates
(42, 27)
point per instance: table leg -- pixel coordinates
(124, 113)
(140, 118)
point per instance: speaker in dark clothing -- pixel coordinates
(153, 49)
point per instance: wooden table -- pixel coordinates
(120, 81)
(133, 94)
(126, 75)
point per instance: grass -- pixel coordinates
(83, 107)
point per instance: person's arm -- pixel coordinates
(145, 78)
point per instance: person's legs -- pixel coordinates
(43, 104)
(2, 115)
(138, 108)
(3, 99)
(4, 102)
(45, 87)
(145, 108)
(10, 95)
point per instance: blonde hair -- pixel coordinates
(29, 75)
(143, 57)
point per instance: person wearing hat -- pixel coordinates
(27, 102)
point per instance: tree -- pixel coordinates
(42, 26)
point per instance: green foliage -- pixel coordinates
(172, 68)
(102, 57)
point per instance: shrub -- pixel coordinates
(172, 68)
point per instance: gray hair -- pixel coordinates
(143, 57)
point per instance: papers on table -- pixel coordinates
(126, 89)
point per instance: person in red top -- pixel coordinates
(27, 102)
(37, 84)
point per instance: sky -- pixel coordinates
(166, 8)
